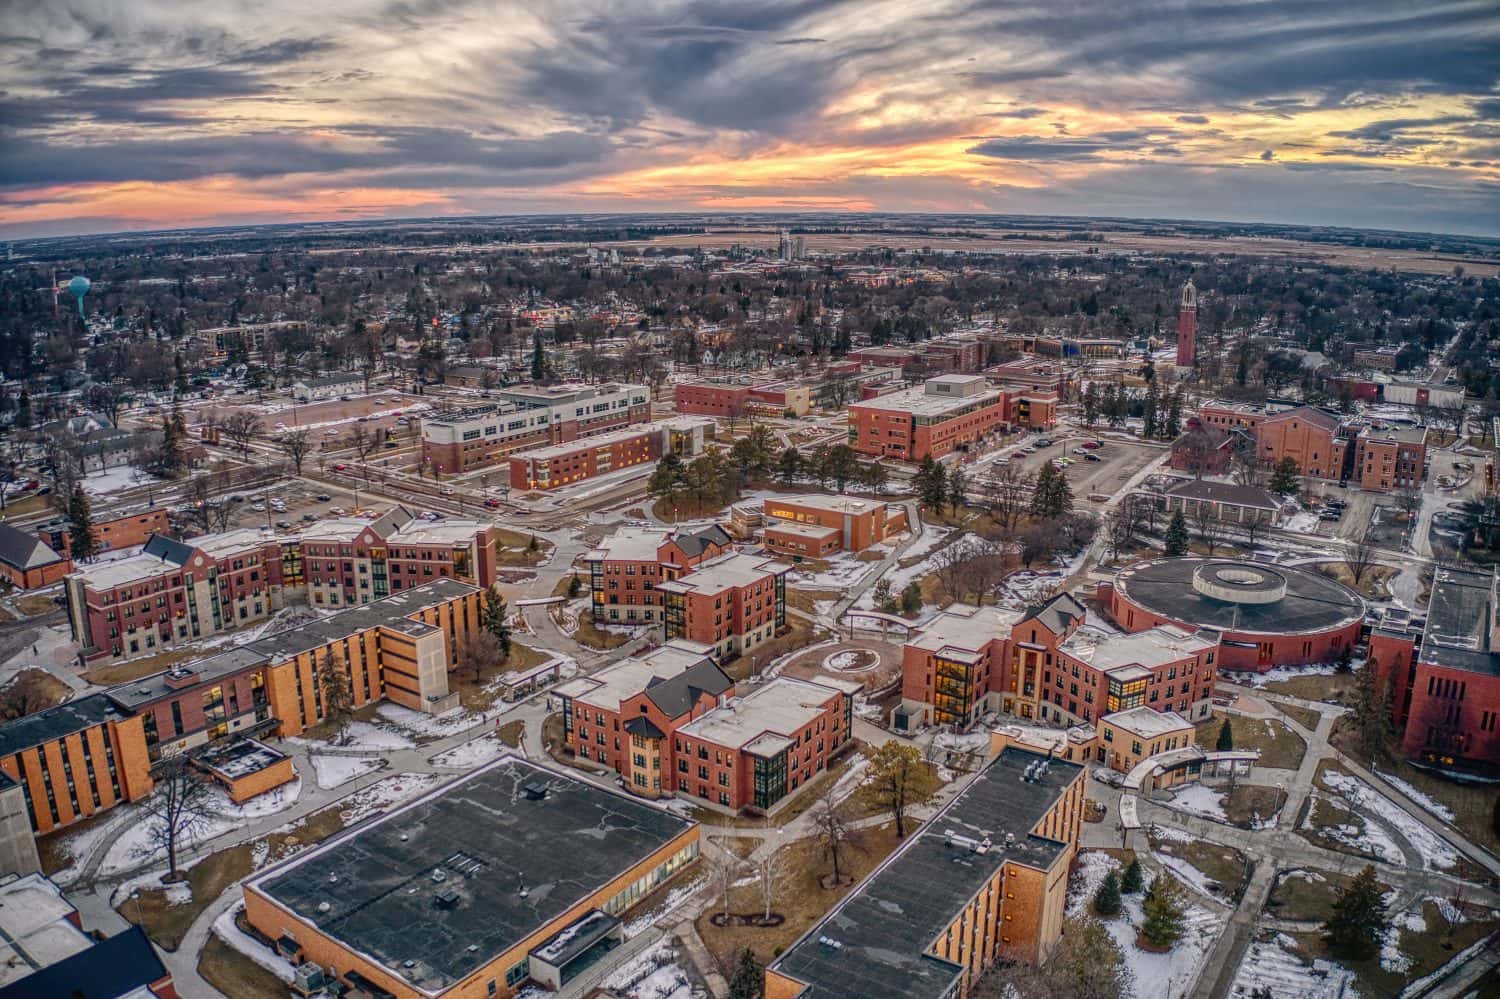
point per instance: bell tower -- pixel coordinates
(1187, 326)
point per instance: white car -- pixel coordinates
(330, 432)
(258, 506)
(447, 490)
(337, 511)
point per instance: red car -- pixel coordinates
(340, 467)
(492, 503)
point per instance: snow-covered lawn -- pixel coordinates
(676, 898)
(899, 577)
(472, 753)
(278, 799)
(843, 572)
(1302, 522)
(227, 931)
(1156, 975)
(1274, 965)
(1435, 852)
(384, 793)
(421, 726)
(335, 770)
(113, 480)
(1284, 673)
(1441, 811)
(1371, 839)
(1199, 799)
(655, 974)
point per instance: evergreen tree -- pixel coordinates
(957, 482)
(1284, 476)
(82, 543)
(1372, 710)
(1090, 404)
(749, 981)
(789, 467)
(538, 358)
(1163, 906)
(1134, 879)
(1107, 898)
(1358, 921)
(667, 478)
(1051, 498)
(495, 613)
(23, 411)
(1171, 424)
(931, 483)
(1148, 413)
(1226, 737)
(1177, 535)
(911, 598)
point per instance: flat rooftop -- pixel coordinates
(776, 709)
(613, 437)
(34, 928)
(513, 862)
(815, 531)
(966, 629)
(1148, 723)
(877, 942)
(1312, 602)
(114, 573)
(435, 532)
(56, 722)
(1460, 615)
(630, 544)
(734, 569)
(1153, 647)
(918, 402)
(822, 501)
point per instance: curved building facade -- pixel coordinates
(1268, 615)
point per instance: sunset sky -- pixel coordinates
(155, 114)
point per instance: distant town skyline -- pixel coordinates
(155, 115)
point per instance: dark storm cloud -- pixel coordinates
(1083, 147)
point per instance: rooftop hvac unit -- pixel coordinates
(535, 790)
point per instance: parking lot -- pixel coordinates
(1117, 463)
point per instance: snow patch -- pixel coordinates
(226, 930)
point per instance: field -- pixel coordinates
(1280, 747)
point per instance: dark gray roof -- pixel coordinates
(492, 838)
(695, 543)
(109, 969)
(56, 722)
(1058, 613)
(1458, 621)
(168, 550)
(1223, 492)
(24, 551)
(675, 696)
(643, 726)
(106, 441)
(876, 942)
(1313, 602)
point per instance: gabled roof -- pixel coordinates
(1058, 613)
(168, 550)
(24, 551)
(643, 727)
(695, 543)
(1223, 492)
(1309, 414)
(675, 695)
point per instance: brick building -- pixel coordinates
(670, 722)
(178, 591)
(1388, 458)
(945, 413)
(732, 603)
(111, 530)
(28, 562)
(813, 525)
(625, 572)
(1311, 437)
(474, 437)
(1324, 444)
(89, 754)
(1042, 664)
(1446, 676)
(563, 464)
(983, 880)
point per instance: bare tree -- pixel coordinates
(832, 829)
(364, 444)
(724, 867)
(1359, 555)
(338, 695)
(1209, 527)
(242, 428)
(1255, 522)
(1122, 528)
(478, 651)
(1246, 467)
(772, 870)
(1408, 501)
(1007, 493)
(178, 807)
(295, 444)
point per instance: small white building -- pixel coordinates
(328, 387)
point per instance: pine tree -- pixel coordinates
(931, 483)
(1226, 737)
(911, 598)
(1284, 476)
(81, 541)
(1163, 906)
(1177, 535)
(749, 981)
(1134, 879)
(1372, 710)
(1358, 921)
(23, 411)
(1107, 898)
(789, 466)
(538, 359)
(495, 613)
(1051, 496)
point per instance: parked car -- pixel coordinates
(258, 506)
(337, 511)
(1080, 450)
(340, 467)
(309, 517)
(1091, 444)
(1043, 442)
(330, 432)
(324, 497)
(285, 525)
(492, 503)
(1092, 457)
(447, 490)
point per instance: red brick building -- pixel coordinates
(1311, 437)
(1044, 664)
(625, 573)
(732, 603)
(1446, 677)
(671, 722)
(111, 531)
(946, 413)
(1390, 459)
(28, 562)
(812, 525)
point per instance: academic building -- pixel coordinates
(815, 525)
(474, 437)
(87, 755)
(514, 874)
(945, 413)
(983, 880)
(559, 465)
(671, 722)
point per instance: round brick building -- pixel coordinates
(1268, 615)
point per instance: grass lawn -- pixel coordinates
(35, 605)
(510, 733)
(1372, 584)
(1427, 951)
(166, 923)
(1472, 805)
(1307, 895)
(1306, 717)
(1249, 804)
(123, 672)
(1335, 689)
(805, 599)
(801, 899)
(1279, 746)
(805, 798)
(47, 689)
(476, 693)
(1324, 814)
(590, 635)
(1222, 864)
(799, 633)
(515, 548)
(234, 974)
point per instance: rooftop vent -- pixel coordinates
(966, 842)
(325, 907)
(830, 943)
(446, 899)
(439, 875)
(535, 790)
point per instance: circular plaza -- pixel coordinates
(1269, 615)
